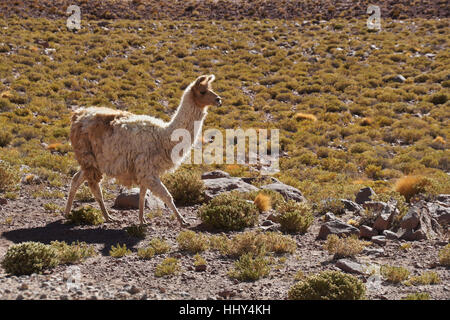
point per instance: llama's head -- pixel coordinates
(203, 94)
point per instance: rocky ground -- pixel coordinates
(106, 277)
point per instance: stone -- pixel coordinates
(200, 268)
(351, 206)
(364, 195)
(381, 240)
(411, 219)
(440, 211)
(214, 187)
(445, 198)
(134, 290)
(24, 286)
(3, 201)
(350, 266)
(386, 213)
(288, 192)
(398, 78)
(267, 223)
(374, 251)
(367, 232)
(390, 235)
(329, 216)
(336, 227)
(129, 199)
(215, 174)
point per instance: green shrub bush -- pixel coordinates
(86, 215)
(295, 216)
(29, 257)
(328, 285)
(185, 186)
(229, 211)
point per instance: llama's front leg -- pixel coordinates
(142, 193)
(160, 190)
(98, 195)
(77, 180)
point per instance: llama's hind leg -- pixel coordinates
(98, 195)
(142, 193)
(160, 190)
(77, 180)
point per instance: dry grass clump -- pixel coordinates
(185, 186)
(426, 278)
(159, 246)
(137, 231)
(256, 243)
(192, 242)
(9, 177)
(328, 285)
(168, 267)
(263, 202)
(394, 274)
(444, 256)
(250, 267)
(409, 186)
(305, 116)
(417, 296)
(344, 247)
(86, 215)
(119, 251)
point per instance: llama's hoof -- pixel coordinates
(143, 221)
(184, 223)
(110, 219)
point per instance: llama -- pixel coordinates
(135, 149)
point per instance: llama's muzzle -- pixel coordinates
(218, 102)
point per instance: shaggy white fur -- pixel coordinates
(135, 149)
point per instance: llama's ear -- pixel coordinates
(201, 80)
(211, 78)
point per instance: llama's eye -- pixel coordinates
(202, 92)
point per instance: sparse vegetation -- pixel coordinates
(444, 256)
(8, 177)
(250, 267)
(136, 231)
(185, 186)
(426, 278)
(160, 246)
(417, 296)
(167, 267)
(262, 202)
(119, 251)
(192, 242)
(328, 285)
(345, 246)
(73, 253)
(394, 274)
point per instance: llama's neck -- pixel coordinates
(188, 117)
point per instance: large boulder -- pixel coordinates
(288, 192)
(336, 227)
(351, 206)
(214, 187)
(440, 211)
(215, 174)
(420, 224)
(385, 212)
(364, 195)
(129, 199)
(367, 232)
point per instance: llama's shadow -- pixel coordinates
(66, 232)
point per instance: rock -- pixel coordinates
(336, 227)
(427, 227)
(267, 223)
(329, 216)
(351, 206)
(24, 286)
(398, 78)
(226, 294)
(3, 201)
(288, 192)
(440, 211)
(374, 251)
(134, 290)
(390, 235)
(200, 268)
(411, 219)
(381, 240)
(445, 198)
(364, 195)
(215, 174)
(386, 213)
(350, 266)
(214, 187)
(367, 232)
(129, 199)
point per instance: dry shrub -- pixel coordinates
(409, 186)
(263, 202)
(305, 116)
(344, 247)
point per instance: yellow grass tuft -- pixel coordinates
(366, 121)
(409, 186)
(439, 140)
(305, 116)
(263, 202)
